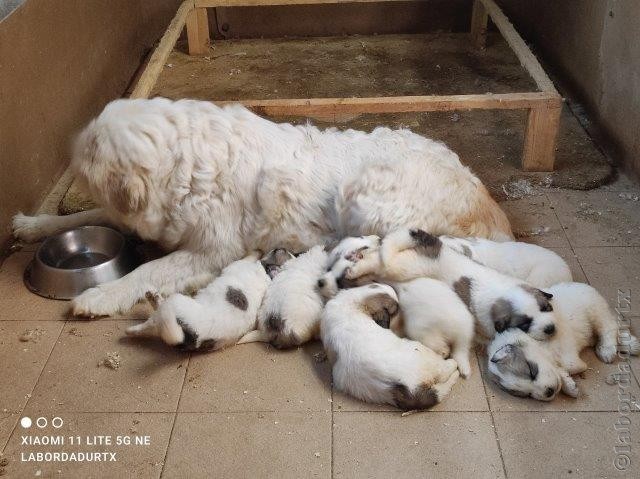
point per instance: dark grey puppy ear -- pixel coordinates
(510, 358)
(503, 353)
(502, 314)
(545, 294)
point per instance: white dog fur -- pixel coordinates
(531, 263)
(583, 319)
(290, 311)
(217, 316)
(497, 301)
(433, 314)
(212, 183)
(373, 364)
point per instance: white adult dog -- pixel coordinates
(373, 364)
(211, 184)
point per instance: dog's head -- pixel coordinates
(274, 260)
(378, 301)
(341, 258)
(525, 308)
(522, 367)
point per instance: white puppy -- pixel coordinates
(497, 301)
(583, 319)
(433, 314)
(341, 257)
(211, 183)
(373, 364)
(290, 311)
(531, 263)
(217, 316)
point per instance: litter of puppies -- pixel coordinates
(398, 315)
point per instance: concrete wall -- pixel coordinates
(594, 45)
(60, 63)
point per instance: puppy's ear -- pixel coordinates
(542, 298)
(510, 358)
(503, 354)
(502, 314)
(128, 194)
(381, 307)
(545, 294)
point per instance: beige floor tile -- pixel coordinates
(24, 349)
(17, 302)
(598, 391)
(149, 378)
(139, 461)
(466, 395)
(257, 377)
(534, 221)
(557, 445)
(7, 423)
(572, 260)
(598, 218)
(430, 444)
(257, 445)
(611, 270)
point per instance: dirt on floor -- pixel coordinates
(490, 142)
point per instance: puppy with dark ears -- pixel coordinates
(497, 301)
(373, 364)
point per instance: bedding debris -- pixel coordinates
(112, 361)
(31, 335)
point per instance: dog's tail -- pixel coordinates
(255, 336)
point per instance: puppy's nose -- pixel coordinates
(549, 392)
(321, 283)
(550, 330)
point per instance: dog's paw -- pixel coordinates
(94, 302)
(29, 228)
(606, 353)
(464, 368)
(569, 387)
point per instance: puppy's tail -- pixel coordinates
(255, 336)
(423, 397)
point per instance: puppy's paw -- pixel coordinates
(465, 369)
(93, 302)
(606, 353)
(29, 228)
(569, 387)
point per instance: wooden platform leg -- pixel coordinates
(198, 31)
(540, 137)
(479, 22)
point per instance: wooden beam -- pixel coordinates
(159, 57)
(260, 3)
(479, 23)
(519, 47)
(198, 31)
(326, 107)
(540, 137)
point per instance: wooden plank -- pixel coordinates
(198, 31)
(159, 57)
(519, 47)
(540, 137)
(327, 107)
(260, 3)
(479, 23)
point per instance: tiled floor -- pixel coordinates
(252, 411)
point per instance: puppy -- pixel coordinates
(433, 314)
(290, 312)
(373, 364)
(217, 316)
(341, 257)
(497, 301)
(531, 263)
(583, 319)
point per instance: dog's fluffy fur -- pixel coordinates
(531, 263)
(372, 363)
(497, 301)
(290, 311)
(212, 183)
(433, 314)
(583, 319)
(217, 316)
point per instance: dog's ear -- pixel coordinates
(128, 193)
(502, 354)
(502, 314)
(511, 358)
(381, 307)
(546, 295)
(542, 297)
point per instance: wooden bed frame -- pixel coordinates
(544, 106)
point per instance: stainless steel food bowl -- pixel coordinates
(68, 263)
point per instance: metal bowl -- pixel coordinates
(68, 263)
